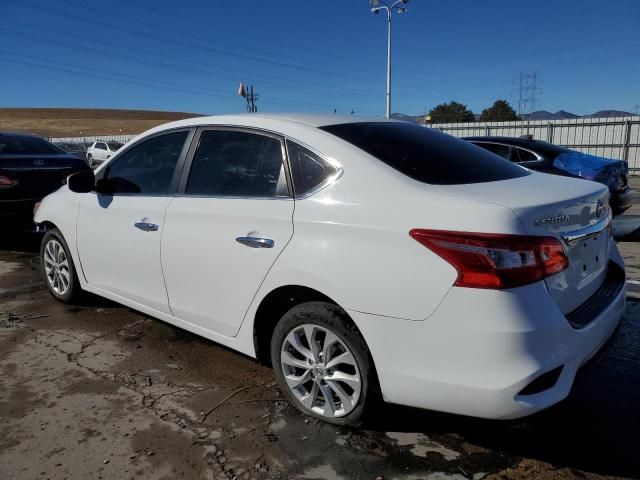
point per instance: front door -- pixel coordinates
(119, 232)
(226, 228)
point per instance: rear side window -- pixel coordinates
(425, 154)
(237, 164)
(308, 170)
(26, 145)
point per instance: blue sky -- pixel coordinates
(301, 55)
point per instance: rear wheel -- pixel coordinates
(322, 363)
(58, 268)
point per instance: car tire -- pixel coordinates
(58, 268)
(351, 385)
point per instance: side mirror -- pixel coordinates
(109, 186)
(81, 182)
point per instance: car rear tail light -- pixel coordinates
(486, 260)
(6, 182)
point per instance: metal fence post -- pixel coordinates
(627, 141)
(550, 132)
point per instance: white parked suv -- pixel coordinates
(100, 151)
(363, 259)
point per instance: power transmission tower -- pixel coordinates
(528, 93)
(249, 96)
(636, 109)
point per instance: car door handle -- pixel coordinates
(256, 242)
(146, 226)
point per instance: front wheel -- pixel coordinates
(322, 363)
(58, 268)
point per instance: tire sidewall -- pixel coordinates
(74, 287)
(334, 319)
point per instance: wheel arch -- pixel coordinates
(273, 306)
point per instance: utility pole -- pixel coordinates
(249, 96)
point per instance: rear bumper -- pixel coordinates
(620, 201)
(18, 211)
(481, 348)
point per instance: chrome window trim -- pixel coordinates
(324, 184)
(538, 156)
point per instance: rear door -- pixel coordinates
(119, 234)
(226, 227)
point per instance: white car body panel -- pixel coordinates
(200, 237)
(434, 345)
(116, 256)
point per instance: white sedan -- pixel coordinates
(363, 259)
(101, 151)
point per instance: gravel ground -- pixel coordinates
(98, 391)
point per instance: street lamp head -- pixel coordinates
(402, 10)
(375, 10)
(405, 1)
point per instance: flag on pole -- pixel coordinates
(241, 90)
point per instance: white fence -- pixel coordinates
(617, 138)
(88, 139)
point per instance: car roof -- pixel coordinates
(310, 119)
(536, 145)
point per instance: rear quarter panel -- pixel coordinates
(351, 240)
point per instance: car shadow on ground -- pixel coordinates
(595, 429)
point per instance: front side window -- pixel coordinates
(237, 164)
(425, 154)
(308, 170)
(148, 167)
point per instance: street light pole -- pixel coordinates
(381, 5)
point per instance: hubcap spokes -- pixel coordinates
(320, 371)
(56, 266)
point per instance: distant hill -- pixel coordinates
(76, 122)
(562, 115)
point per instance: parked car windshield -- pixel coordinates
(425, 154)
(26, 145)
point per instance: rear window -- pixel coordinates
(113, 146)
(26, 145)
(425, 154)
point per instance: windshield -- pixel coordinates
(425, 154)
(26, 145)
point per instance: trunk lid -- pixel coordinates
(37, 175)
(574, 211)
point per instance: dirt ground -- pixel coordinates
(98, 391)
(78, 122)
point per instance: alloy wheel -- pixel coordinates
(320, 371)
(56, 265)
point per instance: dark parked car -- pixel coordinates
(548, 158)
(76, 149)
(30, 168)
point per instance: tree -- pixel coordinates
(453, 112)
(500, 111)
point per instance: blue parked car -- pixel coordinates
(548, 158)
